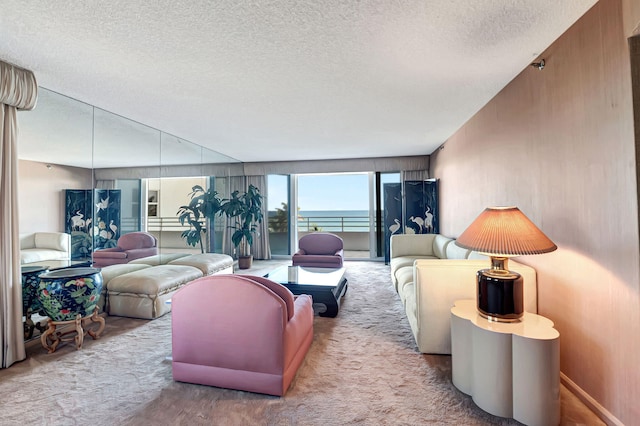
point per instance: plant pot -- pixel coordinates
(244, 262)
(65, 293)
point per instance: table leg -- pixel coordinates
(331, 299)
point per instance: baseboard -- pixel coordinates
(587, 400)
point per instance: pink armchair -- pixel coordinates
(239, 332)
(133, 245)
(319, 249)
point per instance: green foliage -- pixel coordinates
(245, 210)
(81, 243)
(280, 222)
(203, 205)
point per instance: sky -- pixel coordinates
(323, 192)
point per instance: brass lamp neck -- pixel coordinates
(499, 263)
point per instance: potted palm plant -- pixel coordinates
(245, 212)
(202, 205)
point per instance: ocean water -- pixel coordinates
(333, 220)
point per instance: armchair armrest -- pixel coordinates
(110, 253)
(300, 324)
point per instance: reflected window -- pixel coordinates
(278, 213)
(152, 204)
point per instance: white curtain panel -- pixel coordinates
(18, 90)
(236, 183)
(261, 248)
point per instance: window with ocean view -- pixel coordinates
(337, 203)
(340, 203)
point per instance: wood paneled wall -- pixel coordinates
(559, 144)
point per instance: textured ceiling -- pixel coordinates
(286, 80)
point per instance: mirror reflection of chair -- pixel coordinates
(239, 332)
(131, 246)
(320, 250)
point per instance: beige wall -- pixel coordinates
(41, 194)
(174, 192)
(559, 143)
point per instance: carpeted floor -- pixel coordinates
(361, 369)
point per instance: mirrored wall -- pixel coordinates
(135, 176)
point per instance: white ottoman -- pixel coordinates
(208, 263)
(142, 294)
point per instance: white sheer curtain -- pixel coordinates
(261, 248)
(236, 183)
(18, 90)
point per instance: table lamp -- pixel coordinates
(503, 232)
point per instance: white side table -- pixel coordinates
(509, 369)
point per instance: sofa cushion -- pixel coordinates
(159, 259)
(405, 289)
(143, 293)
(51, 241)
(109, 254)
(402, 261)
(27, 241)
(474, 255)
(412, 245)
(157, 280)
(320, 243)
(454, 251)
(112, 271)
(208, 263)
(136, 240)
(440, 244)
(39, 255)
(319, 260)
(410, 306)
(403, 276)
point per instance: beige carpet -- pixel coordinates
(362, 369)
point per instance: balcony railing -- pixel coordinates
(333, 223)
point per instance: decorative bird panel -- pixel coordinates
(78, 222)
(92, 219)
(421, 207)
(392, 213)
(106, 229)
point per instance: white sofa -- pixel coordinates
(430, 272)
(45, 246)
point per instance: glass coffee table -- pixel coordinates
(325, 285)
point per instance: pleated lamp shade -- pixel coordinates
(505, 231)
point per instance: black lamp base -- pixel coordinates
(500, 295)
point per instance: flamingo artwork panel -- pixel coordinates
(393, 222)
(421, 207)
(92, 219)
(106, 230)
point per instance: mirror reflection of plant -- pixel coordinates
(203, 205)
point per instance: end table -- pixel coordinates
(509, 369)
